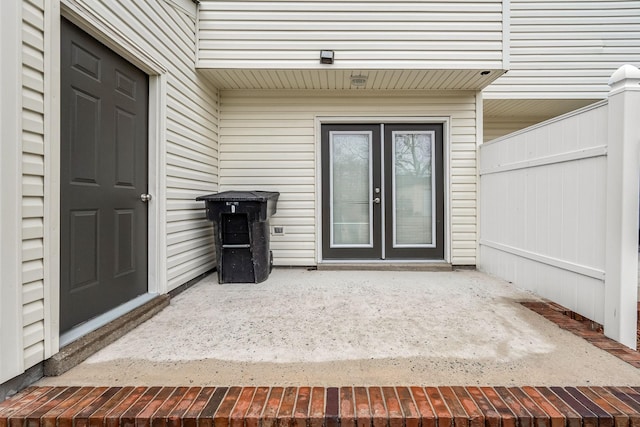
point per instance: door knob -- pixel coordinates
(376, 200)
(145, 197)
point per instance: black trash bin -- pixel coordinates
(241, 229)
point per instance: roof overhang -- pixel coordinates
(345, 79)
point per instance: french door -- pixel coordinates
(382, 191)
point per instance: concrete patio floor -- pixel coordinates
(337, 328)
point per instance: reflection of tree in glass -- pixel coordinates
(351, 149)
(413, 154)
(412, 188)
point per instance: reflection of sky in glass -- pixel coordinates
(413, 154)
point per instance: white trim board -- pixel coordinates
(52, 179)
(11, 350)
(506, 34)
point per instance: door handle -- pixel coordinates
(145, 197)
(376, 200)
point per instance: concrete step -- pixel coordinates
(323, 407)
(79, 350)
(387, 266)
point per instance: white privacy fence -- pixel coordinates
(559, 208)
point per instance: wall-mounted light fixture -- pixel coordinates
(326, 56)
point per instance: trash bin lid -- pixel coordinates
(240, 196)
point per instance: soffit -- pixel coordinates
(341, 79)
(531, 108)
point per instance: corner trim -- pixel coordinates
(11, 324)
(506, 34)
(52, 179)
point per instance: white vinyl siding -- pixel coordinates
(268, 142)
(568, 49)
(33, 128)
(188, 140)
(259, 34)
(167, 33)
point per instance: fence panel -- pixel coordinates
(543, 209)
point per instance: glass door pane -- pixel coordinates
(413, 183)
(350, 187)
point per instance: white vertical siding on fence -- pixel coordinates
(568, 48)
(543, 209)
(268, 142)
(378, 34)
(166, 31)
(33, 119)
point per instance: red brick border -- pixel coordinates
(559, 315)
(323, 407)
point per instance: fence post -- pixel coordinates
(623, 173)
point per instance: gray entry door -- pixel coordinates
(103, 172)
(382, 191)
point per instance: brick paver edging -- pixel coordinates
(556, 314)
(323, 407)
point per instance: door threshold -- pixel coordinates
(99, 321)
(437, 265)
